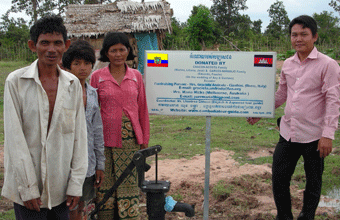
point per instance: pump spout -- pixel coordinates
(173, 206)
(189, 210)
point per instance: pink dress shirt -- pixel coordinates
(128, 97)
(311, 92)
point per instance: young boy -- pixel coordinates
(79, 60)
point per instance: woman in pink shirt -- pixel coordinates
(126, 128)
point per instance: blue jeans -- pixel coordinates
(285, 158)
(60, 212)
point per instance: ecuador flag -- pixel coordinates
(157, 60)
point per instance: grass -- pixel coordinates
(184, 137)
(222, 191)
(9, 215)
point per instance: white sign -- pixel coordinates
(210, 83)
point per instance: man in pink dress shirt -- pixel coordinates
(309, 85)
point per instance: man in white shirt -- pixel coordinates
(45, 130)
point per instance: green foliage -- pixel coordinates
(279, 20)
(331, 53)
(283, 56)
(13, 31)
(39, 8)
(14, 35)
(177, 39)
(222, 191)
(335, 5)
(177, 196)
(199, 28)
(257, 25)
(9, 215)
(328, 27)
(244, 26)
(226, 14)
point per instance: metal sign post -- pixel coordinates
(207, 168)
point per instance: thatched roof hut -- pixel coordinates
(144, 22)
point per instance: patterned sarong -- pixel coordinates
(127, 194)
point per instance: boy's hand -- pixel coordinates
(143, 146)
(99, 178)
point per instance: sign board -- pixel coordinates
(210, 83)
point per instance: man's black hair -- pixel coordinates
(113, 38)
(81, 50)
(306, 22)
(48, 24)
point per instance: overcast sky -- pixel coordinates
(257, 9)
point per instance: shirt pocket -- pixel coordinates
(68, 118)
(290, 78)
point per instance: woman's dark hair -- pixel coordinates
(48, 24)
(306, 22)
(79, 49)
(113, 38)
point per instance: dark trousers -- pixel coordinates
(285, 158)
(60, 212)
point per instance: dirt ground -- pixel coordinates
(236, 191)
(250, 194)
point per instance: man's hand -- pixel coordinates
(72, 201)
(99, 178)
(33, 204)
(143, 146)
(325, 146)
(252, 120)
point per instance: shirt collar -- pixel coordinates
(312, 55)
(128, 73)
(33, 73)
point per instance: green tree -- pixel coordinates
(227, 14)
(279, 21)
(38, 8)
(175, 40)
(13, 31)
(335, 5)
(14, 34)
(257, 26)
(200, 28)
(328, 26)
(243, 26)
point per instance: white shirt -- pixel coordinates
(40, 164)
